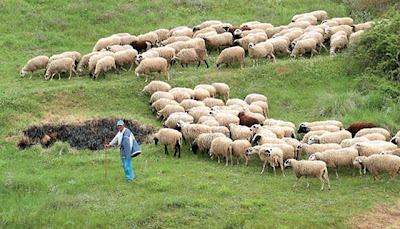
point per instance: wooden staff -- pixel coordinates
(105, 151)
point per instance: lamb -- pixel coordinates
(357, 126)
(197, 112)
(156, 85)
(338, 43)
(163, 34)
(179, 96)
(220, 129)
(303, 46)
(337, 157)
(311, 149)
(152, 37)
(160, 95)
(150, 65)
(168, 110)
(165, 52)
(104, 65)
(373, 147)
(125, 57)
(260, 51)
(173, 119)
(240, 132)
(331, 137)
(309, 169)
(374, 130)
(239, 150)
(190, 103)
(161, 103)
(219, 40)
(231, 55)
(275, 156)
(225, 119)
(59, 66)
(211, 102)
(187, 56)
(203, 142)
(377, 164)
(170, 137)
(251, 38)
(221, 146)
(36, 63)
(263, 105)
(173, 39)
(108, 41)
(352, 141)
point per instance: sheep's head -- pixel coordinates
(292, 56)
(155, 139)
(267, 151)
(314, 156)
(22, 73)
(251, 151)
(256, 139)
(237, 32)
(395, 140)
(251, 45)
(384, 153)
(298, 147)
(288, 162)
(313, 140)
(47, 76)
(358, 161)
(108, 48)
(226, 28)
(302, 129)
(173, 61)
(159, 115)
(236, 42)
(255, 127)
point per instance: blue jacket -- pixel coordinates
(129, 145)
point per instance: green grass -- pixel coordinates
(46, 188)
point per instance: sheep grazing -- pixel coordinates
(152, 37)
(163, 34)
(173, 119)
(355, 37)
(239, 102)
(365, 131)
(222, 89)
(393, 152)
(231, 55)
(160, 95)
(377, 164)
(338, 43)
(307, 136)
(337, 157)
(219, 40)
(220, 129)
(125, 57)
(187, 56)
(247, 120)
(239, 150)
(190, 103)
(357, 126)
(161, 103)
(221, 146)
(206, 24)
(168, 110)
(155, 86)
(373, 147)
(251, 38)
(192, 131)
(201, 94)
(203, 142)
(225, 119)
(141, 46)
(264, 107)
(303, 46)
(261, 50)
(85, 61)
(34, 64)
(275, 156)
(95, 58)
(146, 55)
(207, 87)
(198, 112)
(362, 26)
(240, 132)
(352, 141)
(150, 65)
(184, 89)
(331, 137)
(233, 29)
(117, 48)
(254, 97)
(165, 52)
(104, 65)
(261, 151)
(173, 39)
(170, 137)
(180, 95)
(309, 169)
(107, 41)
(211, 102)
(60, 66)
(183, 32)
(329, 128)
(343, 20)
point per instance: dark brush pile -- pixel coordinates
(88, 135)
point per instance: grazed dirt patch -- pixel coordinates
(387, 216)
(283, 70)
(86, 135)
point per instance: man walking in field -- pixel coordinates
(128, 148)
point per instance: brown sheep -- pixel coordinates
(355, 127)
(246, 120)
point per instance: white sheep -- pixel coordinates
(183, 32)
(275, 157)
(355, 37)
(329, 128)
(173, 119)
(334, 29)
(168, 110)
(225, 119)
(343, 20)
(310, 149)
(307, 136)
(60, 66)
(219, 40)
(363, 26)
(161, 103)
(165, 52)
(192, 131)
(231, 55)
(276, 122)
(179, 95)
(261, 50)
(190, 103)
(146, 55)
(163, 34)
(201, 94)
(85, 61)
(104, 65)
(206, 24)
(152, 37)
(156, 85)
(170, 137)
(173, 39)
(221, 146)
(160, 95)
(240, 132)
(377, 164)
(337, 157)
(338, 43)
(239, 150)
(309, 169)
(191, 55)
(211, 102)
(220, 129)
(203, 142)
(303, 46)
(319, 123)
(125, 57)
(222, 89)
(107, 41)
(382, 131)
(264, 107)
(373, 147)
(117, 48)
(150, 65)
(352, 141)
(251, 38)
(95, 58)
(36, 63)
(331, 137)
(198, 112)
(184, 89)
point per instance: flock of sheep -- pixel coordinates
(190, 45)
(235, 128)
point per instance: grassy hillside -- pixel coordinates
(61, 187)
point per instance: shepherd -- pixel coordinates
(128, 148)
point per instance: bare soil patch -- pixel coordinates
(387, 216)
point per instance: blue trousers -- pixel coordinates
(127, 165)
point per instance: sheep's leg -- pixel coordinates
(182, 65)
(327, 180)
(70, 75)
(237, 161)
(296, 182)
(123, 68)
(219, 161)
(282, 169)
(176, 150)
(254, 63)
(273, 56)
(247, 161)
(323, 47)
(131, 67)
(264, 165)
(226, 160)
(31, 74)
(187, 65)
(205, 61)
(146, 78)
(393, 176)
(322, 183)
(198, 64)
(308, 184)
(168, 78)
(337, 175)
(59, 76)
(165, 149)
(179, 148)
(274, 169)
